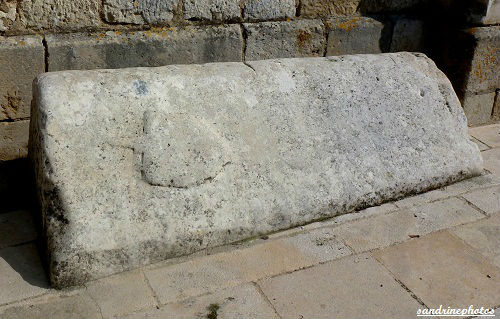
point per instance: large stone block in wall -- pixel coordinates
(59, 14)
(356, 35)
(479, 108)
(268, 9)
(214, 10)
(13, 140)
(140, 11)
(285, 39)
(326, 8)
(145, 48)
(138, 165)
(21, 60)
(395, 6)
(408, 35)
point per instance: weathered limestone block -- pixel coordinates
(479, 108)
(21, 60)
(120, 50)
(484, 12)
(140, 11)
(269, 9)
(355, 35)
(59, 14)
(408, 35)
(13, 140)
(214, 10)
(139, 165)
(8, 11)
(286, 39)
(326, 8)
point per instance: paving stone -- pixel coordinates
(286, 39)
(268, 9)
(54, 307)
(488, 134)
(492, 161)
(478, 108)
(483, 236)
(327, 8)
(420, 199)
(441, 270)
(22, 275)
(244, 301)
(121, 294)
(352, 287)
(408, 35)
(140, 11)
(206, 274)
(357, 35)
(385, 230)
(146, 48)
(479, 182)
(214, 10)
(14, 140)
(16, 228)
(481, 145)
(59, 15)
(21, 60)
(488, 200)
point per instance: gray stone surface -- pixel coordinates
(59, 14)
(13, 140)
(408, 35)
(478, 108)
(218, 10)
(286, 39)
(327, 8)
(292, 140)
(357, 35)
(269, 9)
(21, 60)
(140, 11)
(8, 11)
(140, 49)
(493, 12)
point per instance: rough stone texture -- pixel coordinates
(269, 40)
(293, 140)
(140, 11)
(170, 46)
(408, 35)
(493, 13)
(218, 10)
(356, 35)
(326, 8)
(268, 9)
(59, 14)
(21, 60)
(353, 287)
(469, 279)
(478, 108)
(13, 140)
(8, 11)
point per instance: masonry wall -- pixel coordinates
(51, 35)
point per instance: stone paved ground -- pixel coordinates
(438, 248)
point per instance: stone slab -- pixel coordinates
(357, 35)
(327, 8)
(154, 12)
(16, 228)
(488, 200)
(244, 301)
(213, 10)
(21, 60)
(408, 35)
(483, 236)
(268, 9)
(488, 134)
(14, 140)
(148, 170)
(22, 273)
(285, 39)
(469, 279)
(352, 287)
(113, 50)
(478, 108)
(492, 161)
(385, 230)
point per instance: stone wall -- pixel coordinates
(49, 35)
